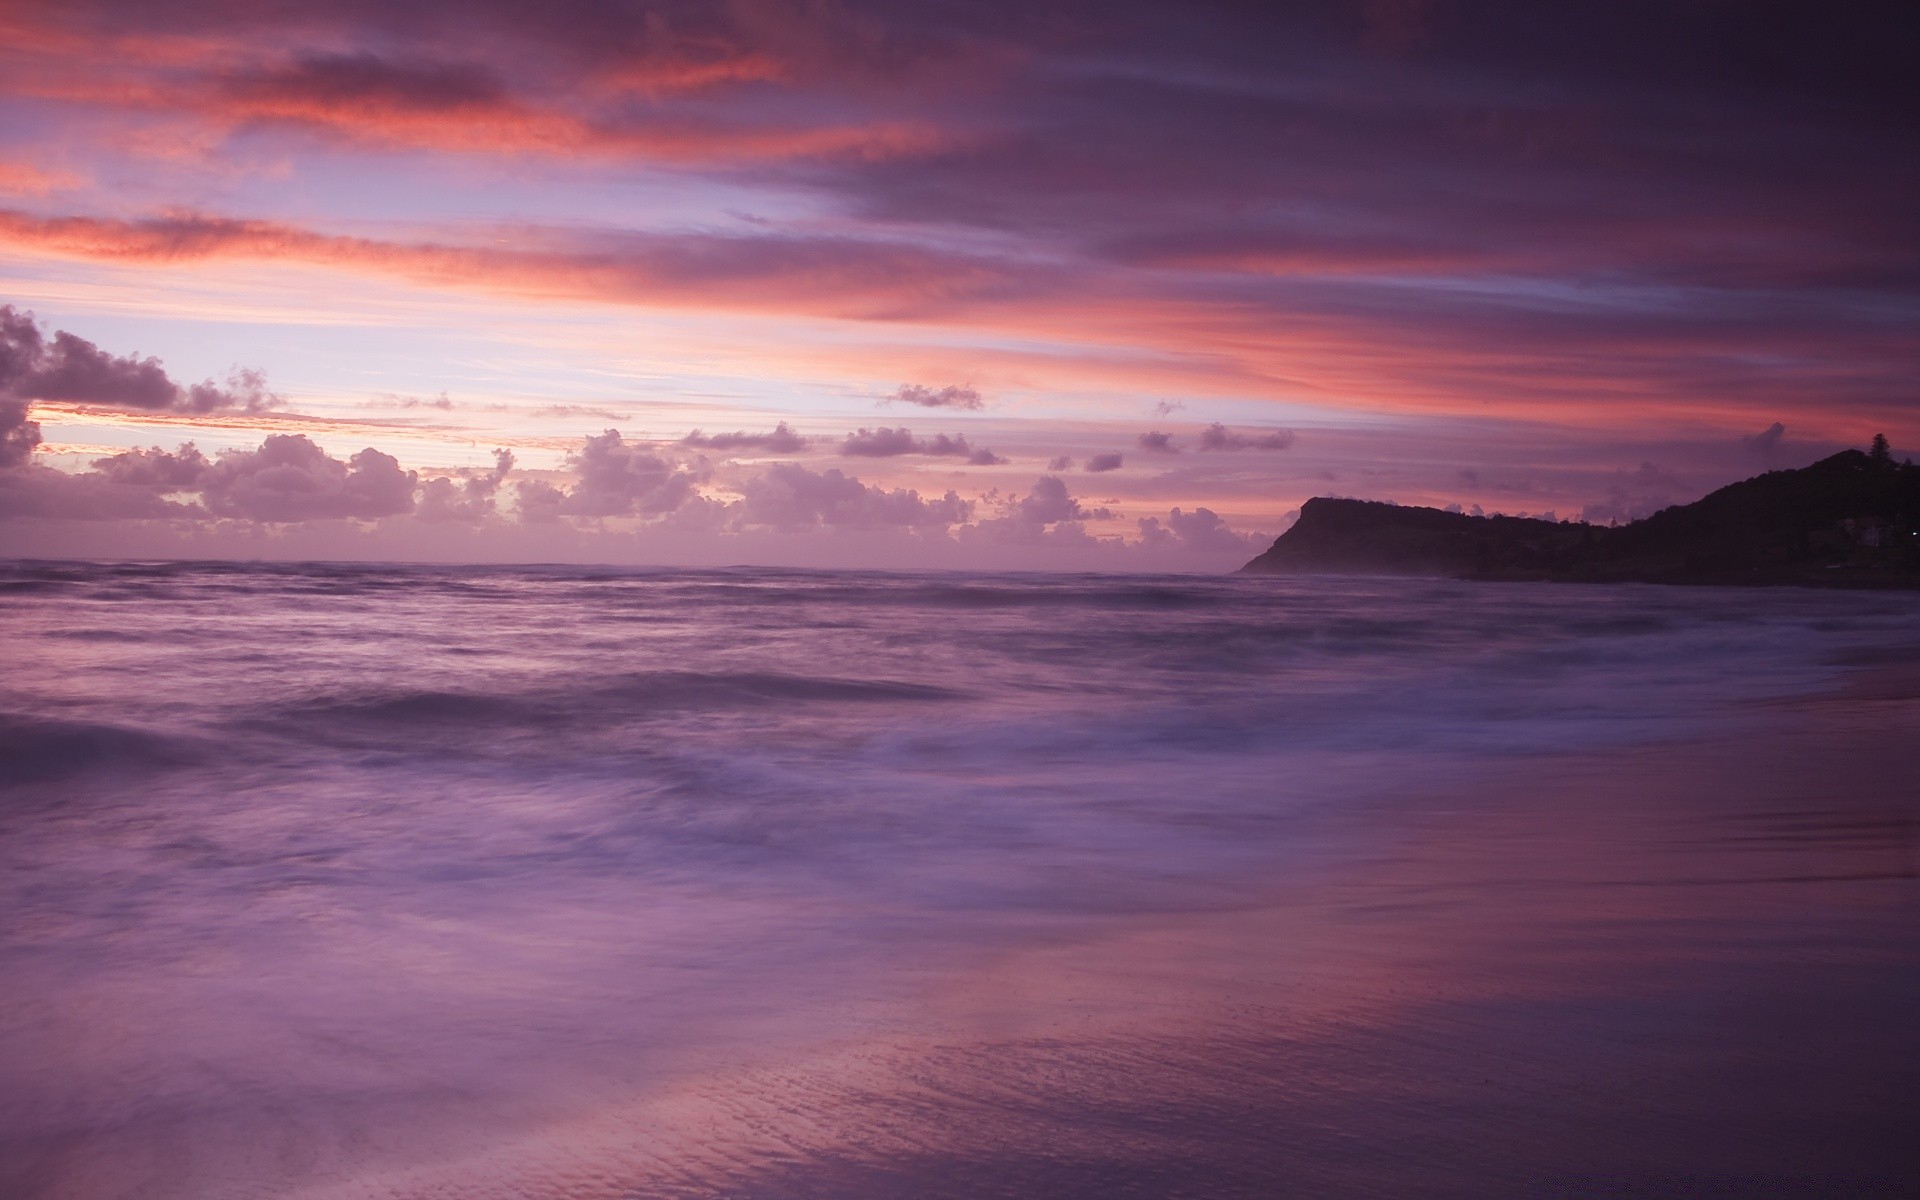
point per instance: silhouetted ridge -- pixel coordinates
(1848, 520)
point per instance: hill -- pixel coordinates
(1847, 521)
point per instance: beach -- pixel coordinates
(1352, 889)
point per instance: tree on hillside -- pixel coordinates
(1880, 454)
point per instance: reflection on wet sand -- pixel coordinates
(1691, 970)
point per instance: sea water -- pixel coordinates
(316, 878)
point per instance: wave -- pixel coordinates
(599, 701)
(40, 750)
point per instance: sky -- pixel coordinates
(1103, 286)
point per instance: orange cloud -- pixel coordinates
(618, 107)
(25, 179)
(495, 123)
(1082, 328)
(819, 277)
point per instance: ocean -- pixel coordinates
(328, 880)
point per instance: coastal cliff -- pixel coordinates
(1846, 521)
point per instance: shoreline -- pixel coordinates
(1647, 971)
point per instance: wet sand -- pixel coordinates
(1685, 970)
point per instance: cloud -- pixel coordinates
(162, 470)
(889, 443)
(1633, 495)
(1556, 217)
(1766, 443)
(365, 82)
(1201, 530)
(953, 396)
(286, 480)
(1167, 408)
(425, 101)
(1047, 516)
(470, 499)
(783, 440)
(612, 479)
(788, 496)
(1590, 216)
(561, 412)
(1155, 442)
(76, 370)
(1049, 502)
(289, 478)
(72, 369)
(1104, 462)
(1062, 463)
(392, 400)
(25, 179)
(42, 492)
(880, 443)
(849, 277)
(1218, 437)
(18, 435)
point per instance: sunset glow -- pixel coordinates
(945, 599)
(1443, 257)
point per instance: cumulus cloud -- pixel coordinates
(470, 499)
(1766, 443)
(36, 491)
(1632, 495)
(71, 368)
(286, 479)
(879, 443)
(1167, 408)
(1062, 463)
(289, 478)
(788, 496)
(1202, 530)
(953, 396)
(612, 479)
(1104, 462)
(1049, 502)
(1048, 515)
(1218, 437)
(1155, 442)
(18, 435)
(888, 443)
(162, 470)
(783, 440)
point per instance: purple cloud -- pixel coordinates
(1218, 437)
(467, 500)
(952, 396)
(1049, 503)
(73, 369)
(790, 497)
(783, 440)
(42, 492)
(612, 479)
(1201, 530)
(289, 478)
(163, 470)
(1636, 494)
(1104, 462)
(18, 435)
(889, 443)
(1155, 442)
